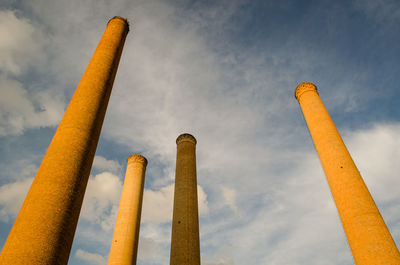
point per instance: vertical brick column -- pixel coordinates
(185, 241)
(126, 233)
(45, 226)
(367, 234)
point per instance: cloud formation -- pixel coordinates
(230, 198)
(101, 200)
(158, 205)
(102, 164)
(226, 73)
(92, 258)
(12, 196)
(21, 110)
(22, 106)
(15, 55)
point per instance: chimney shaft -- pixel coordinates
(126, 233)
(369, 239)
(45, 226)
(185, 241)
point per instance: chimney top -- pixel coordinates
(304, 87)
(186, 137)
(124, 20)
(136, 158)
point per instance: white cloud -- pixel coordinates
(221, 261)
(158, 205)
(92, 258)
(222, 257)
(230, 198)
(100, 205)
(202, 201)
(102, 164)
(154, 243)
(147, 248)
(20, 109)
(375, 152)
(21, 44)
(155, 229)
(293, 219)
(103, 194)
(239, 104)
(12, 196)
(181, 83)
(23, 106)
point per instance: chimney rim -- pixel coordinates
(137, 158)
(125, 20)
(304, 87)
(186, 137)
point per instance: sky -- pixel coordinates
(224, 71)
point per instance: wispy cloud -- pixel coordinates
(12, 196)
(222, 73)
(15, 55)
(102, 164)
(157, 205)
(21, 105)
(102, 199)
(91, 258)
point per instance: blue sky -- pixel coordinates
(224, 71)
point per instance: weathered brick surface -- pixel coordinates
(185, 241)
(126, 233)
(45, 226)
(369, 239)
